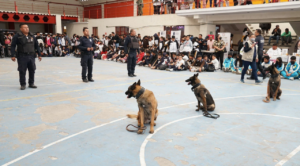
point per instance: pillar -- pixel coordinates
(58, 27)
(102, 10)
(207, 29)
(134, 8)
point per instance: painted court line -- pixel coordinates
(143, 146)
(142, 149)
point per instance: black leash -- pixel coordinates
(209, 115)
(144, 128)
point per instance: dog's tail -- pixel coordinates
(132, 116)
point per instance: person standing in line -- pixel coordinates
(27, 49)
(260, 47)
(131, 48)
(250, 58)
(87, 46)
(219, 46)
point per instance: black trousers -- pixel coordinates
(6, 51)
(220, 56)
(258, 64)
(24, 63)
(131, 62)
(87, 64)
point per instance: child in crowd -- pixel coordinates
(121, 55)
(292, 70)
(107, 50)
(77, 53)
(153, 58)
(190, 62)
(96, 52)
(124, 59)
(265, 65)
(146, 60)
(279, 65)
(47, 51)
(116, 54)
(197, 65)
(140, 56)
(237, 65)
(214, 62)
(179, 64)
(227, 63)
(158, 62)
(65, 51)
(110, 54)
(58, 51)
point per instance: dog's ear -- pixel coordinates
(133, 86)
(196, 75)
(139, 82)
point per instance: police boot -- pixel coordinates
(85, 80)
(133, 75)
(23, 87)
(91, 80)
(32, 86)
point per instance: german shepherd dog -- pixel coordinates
(147, 106)
(202, 94)
(274, 83)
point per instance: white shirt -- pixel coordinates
(215, 62)
(266, 65)
(151, 43)
(63, 42)
(179, 63)
(274, 53)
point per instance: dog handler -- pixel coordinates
(27, 49)
(131, 48)
(250, 57)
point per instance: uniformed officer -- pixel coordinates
(131, 47)
(260, 44)
(27, 47)
(87, 46)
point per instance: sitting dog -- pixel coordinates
(274, 83)
(147, 106)
(202, 94)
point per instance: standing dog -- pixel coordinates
(147, 106)
(202, 94)
(274, 83)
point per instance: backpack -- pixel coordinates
(210, 68)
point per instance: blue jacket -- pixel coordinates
(228, 61)
(295, 67)
(280, 68)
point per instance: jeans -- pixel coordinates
(87, 62)
(274, 37)
(286, 39)
(246, 66)
(117, 45)
(131, 62)
(283, 73)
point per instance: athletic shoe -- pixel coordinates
(258, 82)
(291, 78)
(242, 81)
(171, 70)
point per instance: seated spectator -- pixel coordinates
(276, 35)
(198, 65)
(146, 60)
(237, 65)
(124, 59)
(190, 62)
(266, 63)
(109, 54)
(96, 52)
(121, 55)
(159, 62)
(153, 58)
(58, 51)
(140, 56)
(228, 62)
(274, 52)
(77, 53)
(65, 51)
(286, 37)
(292, 69)
(47, 51)
(179, 64)
(116, 54)
(104, 52)
(279, 65)
(214, 62)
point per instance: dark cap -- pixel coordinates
(173, 37)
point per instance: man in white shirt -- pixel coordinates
(187, 46)
(274, 52)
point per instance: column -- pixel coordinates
(58, 27)
(102, 10)
(134, 8)
(207, 29)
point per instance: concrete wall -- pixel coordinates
(76, 28)
(145, 25)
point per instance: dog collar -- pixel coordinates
(140, 93)
(274, 76)
(195, 86)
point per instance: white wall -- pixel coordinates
(76, 28)
(145, 25)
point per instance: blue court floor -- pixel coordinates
(67, 122)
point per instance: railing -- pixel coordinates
(120, 10)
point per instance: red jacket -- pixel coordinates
(140, 57)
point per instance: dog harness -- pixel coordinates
(195, 86)
(140, 93)
(274, 75)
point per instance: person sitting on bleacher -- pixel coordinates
(274, 52)
(292, 69)
(286, 37)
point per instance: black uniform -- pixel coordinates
(260, 44)
(27, 49)
(86, 56)
(131, 47)
(2, 41)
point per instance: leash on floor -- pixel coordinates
(209, 115)
(144, 128)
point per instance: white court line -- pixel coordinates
(38, 85)
(84, 131)
(288, 157)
